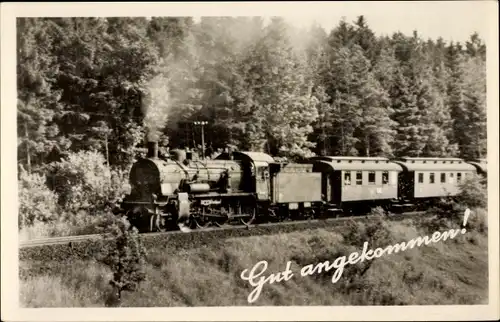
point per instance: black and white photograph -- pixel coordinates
(250, 157)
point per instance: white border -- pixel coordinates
(9, 240)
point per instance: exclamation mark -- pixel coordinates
(466, 216)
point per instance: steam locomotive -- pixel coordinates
(178, 192)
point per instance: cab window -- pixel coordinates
(420, 178)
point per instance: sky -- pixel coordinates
(451, 20)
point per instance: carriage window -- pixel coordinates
(431, 178)
(451, 174)
(443, 177)
(420, 178)
(385, 177)
(459, 176)
(359, 177)
(371, 177)
(347, 178)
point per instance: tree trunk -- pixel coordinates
(325, 139)
(342, 133)
(107, 150)
(367, 149)
(28, 156)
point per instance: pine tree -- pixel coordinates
(360, 105)
(316, 52)
(342, 35)
(474, 144)
(346, 111)
(365, 38)
(279, 106)
(408, 140)
(38, 95)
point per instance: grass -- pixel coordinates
(80, 223)
(448, 272)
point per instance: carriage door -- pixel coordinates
(262, 180)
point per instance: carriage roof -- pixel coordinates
(435, 164)
(358, 163)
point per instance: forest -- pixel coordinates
(91, 91)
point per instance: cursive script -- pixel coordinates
(256, 278)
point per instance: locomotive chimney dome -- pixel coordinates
(152, 149)
(178, 155)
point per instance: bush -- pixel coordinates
(125, 255)
(450, 211)
(83, 182)
(478, 220)
(37, 203)
(376, 232)
(473, 193)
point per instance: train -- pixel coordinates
(178, 192)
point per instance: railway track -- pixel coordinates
(332, 221)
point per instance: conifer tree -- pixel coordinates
(280, 106)
(408, 140)
(38, 96)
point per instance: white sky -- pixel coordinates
(451, 20)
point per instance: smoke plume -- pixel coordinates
(155, 106)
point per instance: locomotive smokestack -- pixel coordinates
(153, 149)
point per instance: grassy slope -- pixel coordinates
(449, 272)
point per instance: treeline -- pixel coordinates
(105, 84)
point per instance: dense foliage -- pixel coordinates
(102, 83)
(91, 90)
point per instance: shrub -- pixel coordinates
(450, 211)
(478, 220)
(376, 232)
(473, 192)
(125, 255)
(82, 224)
(37, 203)
(378, 211)
(84, 182)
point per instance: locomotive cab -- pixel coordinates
(256, 177)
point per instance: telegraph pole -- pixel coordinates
(202, 123)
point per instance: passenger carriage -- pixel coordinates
(357, 182)
(423, 178)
